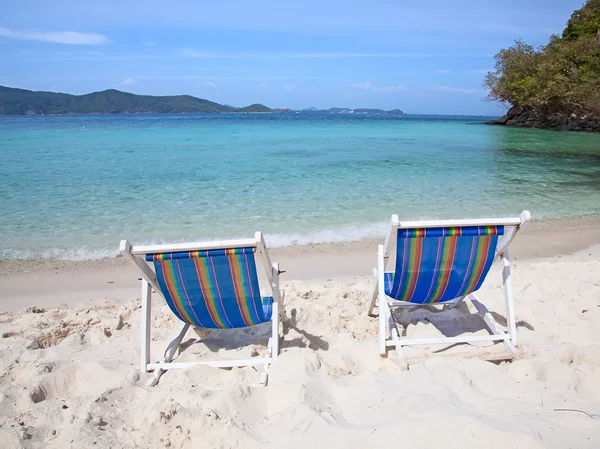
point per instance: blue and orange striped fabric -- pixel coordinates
(213, 289)
(436, 265)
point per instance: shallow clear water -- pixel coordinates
(76, 187)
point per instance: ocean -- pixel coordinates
(73, 186)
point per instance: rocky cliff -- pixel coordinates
(559, 121)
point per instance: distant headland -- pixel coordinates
(554, 86)
(26, 102)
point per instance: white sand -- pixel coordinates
(70, 378)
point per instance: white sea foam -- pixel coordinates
(82, 253)
(343, 234)
(340, 234)
(77, 254)
(274, 240)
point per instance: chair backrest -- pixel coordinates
(215, 289)
(441, 264)
(211, 285)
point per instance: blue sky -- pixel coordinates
(423, 57)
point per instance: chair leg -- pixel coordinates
(146, 327)
(264, 376)
(276, 313)
(382, 333)
(374, 293)
(401, 358)
(169, 354)
(275, 335)
(453, 305)
(489, 320)
(508, 299)
(174, 345)
(384, 310)
(282, 315)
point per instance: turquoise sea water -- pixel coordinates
(73, 186)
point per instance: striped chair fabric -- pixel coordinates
(437, 265)
(213, 289)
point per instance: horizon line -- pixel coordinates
(306, 109)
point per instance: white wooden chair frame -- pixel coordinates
(388, 333)
(135, 254)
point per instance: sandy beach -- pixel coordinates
(197, 132)
(70, 349)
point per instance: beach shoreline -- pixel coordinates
(566, 235)
(27, 283)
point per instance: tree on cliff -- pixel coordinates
(562, 76)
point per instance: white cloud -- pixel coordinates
(262, 86)
(443, 71)
(290, 87)
(210, 84)
(127, 82)
(148, 44)
(57, 37)
(370, 87)
(458, 90)
(191, 53)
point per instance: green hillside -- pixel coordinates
(562, 77)
(26, 102)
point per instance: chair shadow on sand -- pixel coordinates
(450, 323)
(314, 342)
(216, 340)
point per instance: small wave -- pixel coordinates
(76, 254)
(82, 253)
(343, 234)
(273, 240)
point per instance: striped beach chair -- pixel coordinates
(443, 263)
(210, 285)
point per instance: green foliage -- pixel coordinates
(563, 76)
(21, 102)
(255, 108)
(584, 21)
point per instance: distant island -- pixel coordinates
(554, 86)
(26, 102)
(314, 110)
